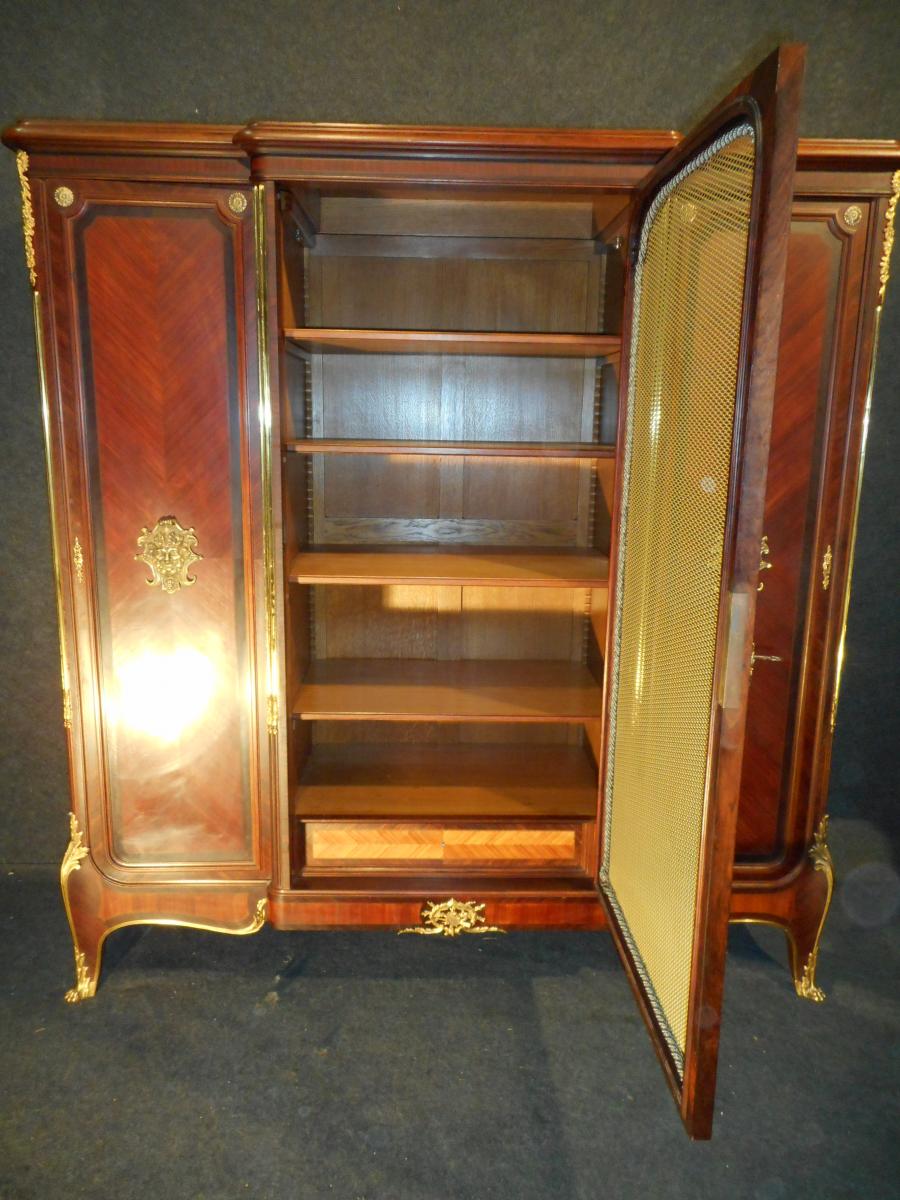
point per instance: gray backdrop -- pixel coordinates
(492, 62)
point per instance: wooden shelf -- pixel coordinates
(551, 450)
(447, 781)
(426, 341)
(375, 689)
(470, 566)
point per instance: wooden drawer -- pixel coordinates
(338, 845)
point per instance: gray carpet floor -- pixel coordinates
(367, 1067)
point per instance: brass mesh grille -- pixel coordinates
(688, 298)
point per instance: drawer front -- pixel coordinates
(338, 845)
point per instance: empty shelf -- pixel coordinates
(427, 341)
(447, 781)
(579, 450)
(470, 566)
(422, 690)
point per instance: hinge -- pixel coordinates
(764, 564)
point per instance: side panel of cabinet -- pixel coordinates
(151, 344)
(818, 402)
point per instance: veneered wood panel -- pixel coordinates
(437, 565)
(520, 902)
(465, 399)
(163, 401)
(536, 623)
(444, 781)
(379, 396)
(340, 845)
(539, 450)
(419, 621)
(804, 386)
(397, 340)
(461, 294)
(519, 847)
(395, 621)
(505, 219)
(440, 733)
(411, 690)
(413, 246)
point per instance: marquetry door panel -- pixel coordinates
(707, 255)
(818, 377)
(153, 301)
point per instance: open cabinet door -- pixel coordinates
(707, 255)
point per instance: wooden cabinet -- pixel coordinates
(408, 490)
(845, 195)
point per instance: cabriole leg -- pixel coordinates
(97, 906)
(799, 907)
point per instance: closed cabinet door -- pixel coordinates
(152, 324)
(821, 394)
(706, 266)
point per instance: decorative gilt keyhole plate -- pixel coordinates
(168, 550)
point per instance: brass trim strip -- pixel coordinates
(254, 926)
(804, 981)
(854, 526)
(884, 274)
(51, 493)
(764, 564)
(28, 226)
(827, 560)
(75, 852)
(28, 229)
(86, 985)
(265, 433)
(805, 986)
(793, 952)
